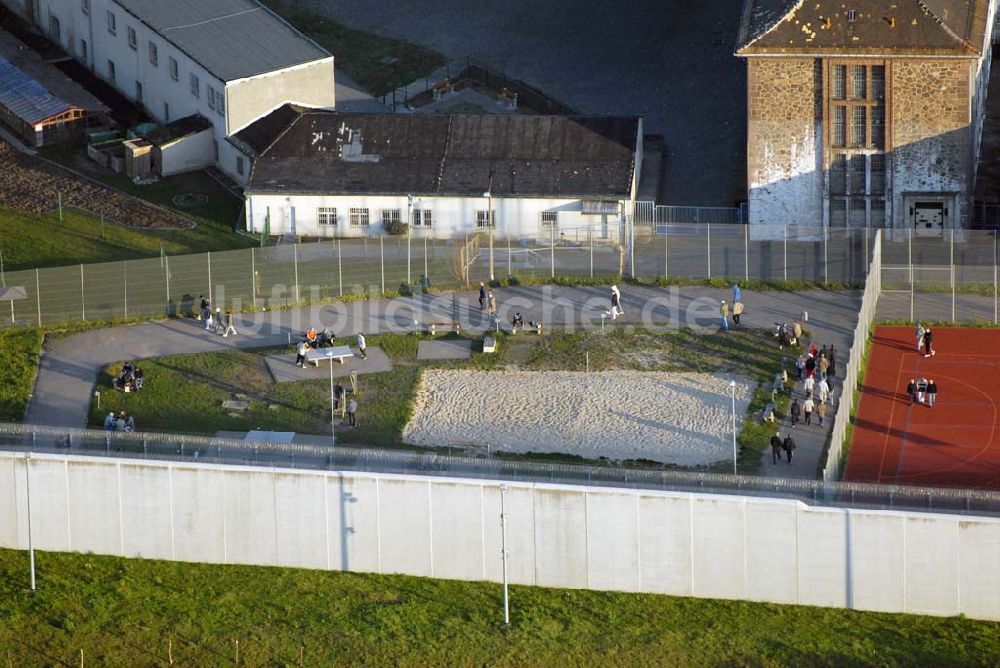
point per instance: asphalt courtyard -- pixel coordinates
(670, 62)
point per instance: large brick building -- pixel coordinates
(866, 112)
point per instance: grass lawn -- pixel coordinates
(19, 350)
(379, 64)
(30, 241)
(122, 612)
(184, 393)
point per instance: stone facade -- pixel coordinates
(931, 132)
(784, 140)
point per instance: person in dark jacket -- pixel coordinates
(789, 445)
(776, 445)
(796, 411)
(911, 389)
(931, 392)
(928, 339)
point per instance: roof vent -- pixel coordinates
(891, 20)
(852, 15)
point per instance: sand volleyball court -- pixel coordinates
(675, 418)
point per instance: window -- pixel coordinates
(83, 49)
(154, 57)
(878, 82)
(111, 71)
(857, 173)
(878, 127)
(85, 6)
(195, 86)
(877, 174)
(422, 216)
(166, 112)
(240, 168)
(839, 87)
(325, 215)
(550, 218)
(839, 131)
(390, 217)
(838, 175)
(482, 221)
(173, 68)
(138, 91)
(112, 26)
(220, 104)
(859, 82)
(852, 15)
(211, 97)
(55, 30)
(133, 42)
(359, 217)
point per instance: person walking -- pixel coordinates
(928, 343)
(230, 329)
(800, 366)
(789, 446)
(824, 366)
(207, 315)
(920, 336)
(821, 412)
(931, 392)
(482, 295)
(219, 325)
(809, 384)
(724, 312)
(338, 395)
(736, 293)
(776, 444)
(352, 412)
(921, 389)
(832, 371)
(911, 390)
(795, 410)
(300, 353)
(362, 346)
(823, 390)
(807, 408)
(616, 303)
(737, 312)
(202, 306)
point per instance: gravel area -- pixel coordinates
(673, 418)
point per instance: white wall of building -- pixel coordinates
(298, 214)
(733, 547)
(192, 152)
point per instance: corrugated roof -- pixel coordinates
(25, 97)
(530, 156)
(892, 27)
(232, 39)
(257, 136)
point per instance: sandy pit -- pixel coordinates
(675, 418)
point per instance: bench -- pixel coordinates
(445, 327)
(536, 326)
(339, 353)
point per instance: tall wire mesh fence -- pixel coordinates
(286, 274)
(158, 446)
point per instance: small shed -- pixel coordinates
(181, 146)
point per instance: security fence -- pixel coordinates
(174, 447)
(285, 274)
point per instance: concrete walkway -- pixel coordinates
(70, 364)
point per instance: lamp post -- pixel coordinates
(333, 417)
(31, 545)
(732, 390)
(489, 216)
(409, 229)
(503, 554)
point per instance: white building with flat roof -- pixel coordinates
(232, 61)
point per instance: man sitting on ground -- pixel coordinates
(517, 320)
(311, 338)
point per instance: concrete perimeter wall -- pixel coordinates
(733, 547)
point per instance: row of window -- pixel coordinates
(361, 217)
(216, 98)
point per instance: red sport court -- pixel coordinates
(954, 444)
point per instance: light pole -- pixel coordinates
(333, 418)
(489, 216)
(732, 390)
(503, 554)
(409, 229)
(31, 545)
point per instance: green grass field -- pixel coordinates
(19, 350)
(30, 241)
(184, 393)
(104, 611)
(379, 64)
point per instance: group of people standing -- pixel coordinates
(922, 390)
(217, 322)
(737, 310)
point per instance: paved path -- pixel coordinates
(70, 364)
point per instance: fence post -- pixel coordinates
(38, 298)
(208, 257)
(784, 252)
(666, 250)
(994, 277)
(295, 259)
(83, 298)
(166, 274)
(253, 277)
(340, 270)
(909, 264)
(708, 248)
(381, 255)
(826, 262)
(746, 252)
(427, 275)
(590, 233)
(510, 256)
(552, 251)
(125, 285)
(409, 227)
(952, 254)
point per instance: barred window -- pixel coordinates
(359, 217)
(877, 175)
(877, 213)
(858, 213)
(838, 212)
(550, 218)
(878, 82)
(211, 97)
(421, 216)
(390, 216)
(878, 127)
(839, 130)
(859, 82)
(481, 218)
(856, 169)
(839, 89)
(173, 69)
(133, 42)
(326, 216)
(112, 24)
(195, 86)
(838, 175)
(154, 56)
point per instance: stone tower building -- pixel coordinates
(865, 112)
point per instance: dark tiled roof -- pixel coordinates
(257, 136)
(891, 27)
(420, 154)
(232, 39)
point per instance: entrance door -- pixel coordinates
(928, 217)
